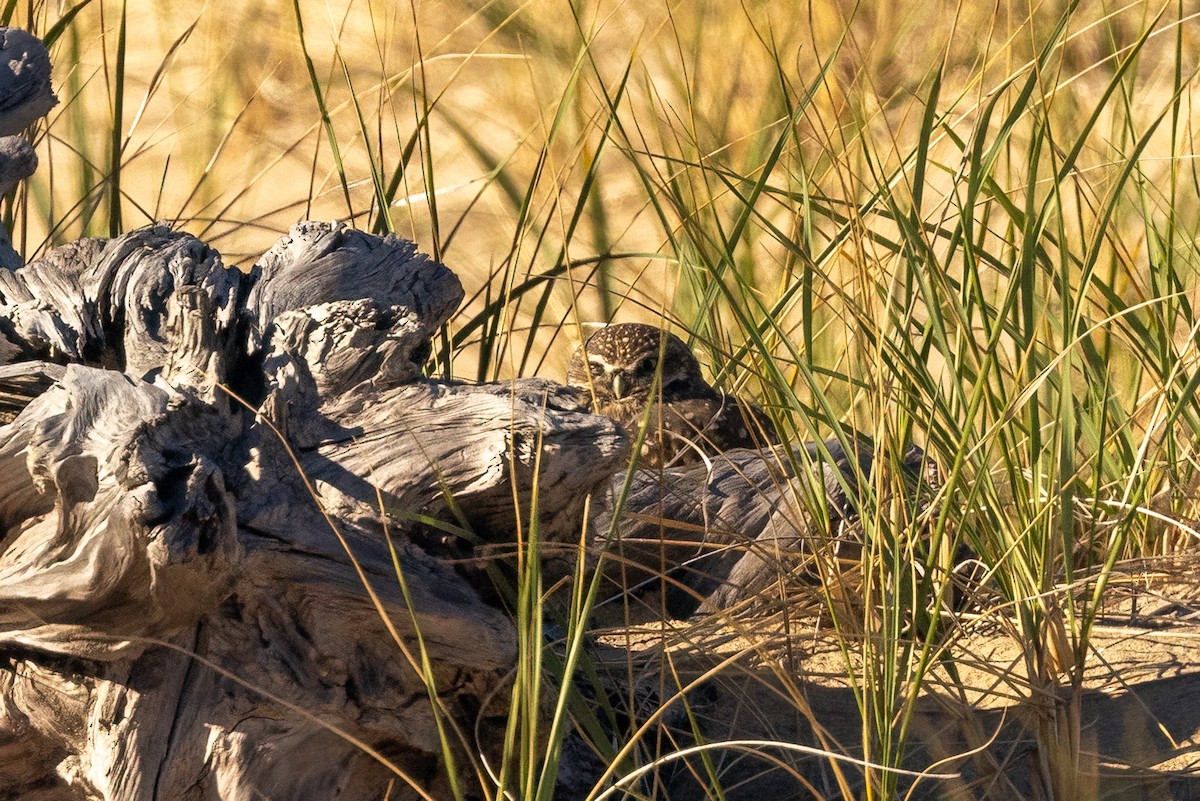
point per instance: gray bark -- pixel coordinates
(25, 97)
(715, 534)
(198, 597)
(25, 92)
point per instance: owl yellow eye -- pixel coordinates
(596, 368)
(647, 366)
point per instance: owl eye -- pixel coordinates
(647, 366)
(596, 368)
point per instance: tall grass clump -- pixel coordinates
(973, 228)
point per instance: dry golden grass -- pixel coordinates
(223, 133)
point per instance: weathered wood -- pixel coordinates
(710, 535)
(25, 92)
(21, 382)
(140, 304)
(212, 582)
(25, 97)
(18, 161)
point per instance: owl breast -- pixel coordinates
(683, 431)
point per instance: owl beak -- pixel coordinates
(616, 386)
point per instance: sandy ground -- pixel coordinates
(1134, 720)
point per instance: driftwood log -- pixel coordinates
(211, 483)
(199, 497)
(25, 97)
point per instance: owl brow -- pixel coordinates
(599, 361)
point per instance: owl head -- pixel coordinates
(622, 362)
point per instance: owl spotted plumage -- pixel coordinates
(629, 367)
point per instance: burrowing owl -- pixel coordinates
(630, 366)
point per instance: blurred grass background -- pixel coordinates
(513, 138)
(973, 225)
